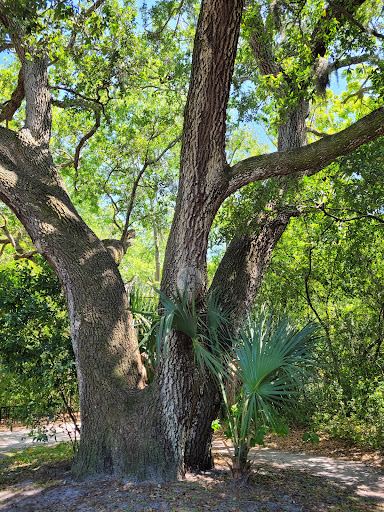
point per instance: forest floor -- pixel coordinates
(287, 476)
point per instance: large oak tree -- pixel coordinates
(159, 430)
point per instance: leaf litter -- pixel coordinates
(49, 488)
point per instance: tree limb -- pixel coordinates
(341, 9)
(307, 159)
(335, 10)
(136, 183)
(14, 242)
(261, 46)
(83, 16)
(85, 137)
(359, 94)
(174, 11)
(6, 45)
(316, 132)
(360, 215)
(349, 61)
(38, 109)
(10, 107)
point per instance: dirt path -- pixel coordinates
(11, 440)
(364, 480)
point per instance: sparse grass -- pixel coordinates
(34, 459)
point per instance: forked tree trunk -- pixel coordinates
(155, 432)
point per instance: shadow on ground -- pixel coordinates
(271, 489)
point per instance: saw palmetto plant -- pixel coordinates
(271, 363)
(261, 371)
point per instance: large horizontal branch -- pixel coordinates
(80, 101)
(308, 159)
(349, 61)
(76, 103)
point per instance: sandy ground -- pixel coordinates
(285, 481)
(365, 481)
(16, 439)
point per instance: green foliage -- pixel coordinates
(289, 33)
(143, 306)
(17, 467)
(358, 419)
(271, 363)
(205, 322)
(311, 437)
(329, 266)
(35, 347)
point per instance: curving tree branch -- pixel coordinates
(316, 132)
(342, 10)
(307, 159)
(10, 107)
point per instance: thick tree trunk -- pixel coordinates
(292, 131)
(239, 275)
(122, 431)
(156, 431)
(201, 191)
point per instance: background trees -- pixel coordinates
(37, 360)
(90, 60)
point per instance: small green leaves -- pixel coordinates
(311, 437)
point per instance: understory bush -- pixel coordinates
(359, 419)
(36, 357)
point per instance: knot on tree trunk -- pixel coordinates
(118, 248)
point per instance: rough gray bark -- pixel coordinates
(243, 266)
(104, 341)
(240, 272)
(201, 169)
(202, 160)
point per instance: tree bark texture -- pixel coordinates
(205, 181)
(200, 193)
